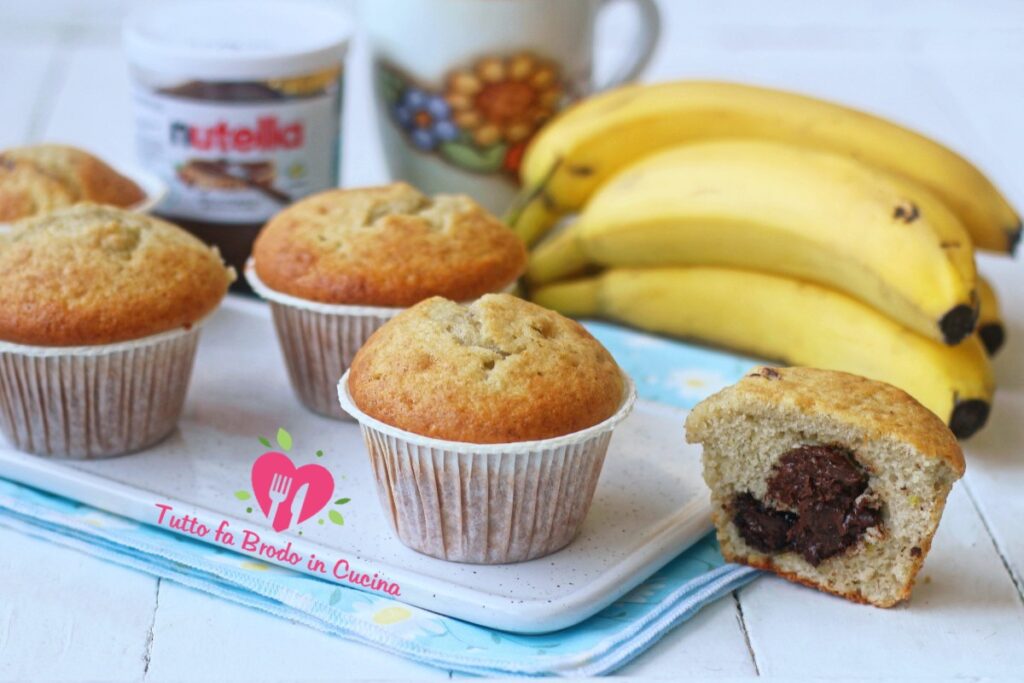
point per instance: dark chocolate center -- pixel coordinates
(813, 505)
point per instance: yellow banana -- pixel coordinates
(991, 329)
(772, 207)
(795, 322)
(588, 143)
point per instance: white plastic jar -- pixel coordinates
(237, 109)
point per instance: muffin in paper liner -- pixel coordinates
(486, 503)
(87, 402)
(319, 341)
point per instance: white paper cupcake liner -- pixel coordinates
(88, 402)
(486, 503)
(319, 341)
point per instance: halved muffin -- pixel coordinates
(826, 478)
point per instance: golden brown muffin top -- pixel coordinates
(39, 178)
(386, 246)
(91, 274)
(876, 409)
(498, 370)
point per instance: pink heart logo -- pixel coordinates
(286, 494)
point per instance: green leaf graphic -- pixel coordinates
(243, 495)
(284, 439)
(336, 518)
(319, 454)
(473, 158)
(342, 501)
(335, 597)
(265, 441)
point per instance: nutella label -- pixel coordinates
(237, 162)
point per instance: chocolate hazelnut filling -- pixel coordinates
(815, 505)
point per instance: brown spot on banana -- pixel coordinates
(907, 212)
(580, 170)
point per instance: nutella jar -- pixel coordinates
(237, 109)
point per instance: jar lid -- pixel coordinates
(233, 40)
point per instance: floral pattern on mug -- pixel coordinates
(425, 117)
(485, 114)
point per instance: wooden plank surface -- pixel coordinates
(93, 109)
(199, 638)
(964, 605)
(26, 67)
(68, 616)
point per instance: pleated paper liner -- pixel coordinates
(486, 503)
(319, 341)
(96, 401)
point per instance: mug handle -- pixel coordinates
(647, 40)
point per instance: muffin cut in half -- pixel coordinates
(826, 478)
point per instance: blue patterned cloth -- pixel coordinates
(664, 371)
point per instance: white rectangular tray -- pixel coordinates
(651, 503)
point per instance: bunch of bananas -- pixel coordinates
(773, 224)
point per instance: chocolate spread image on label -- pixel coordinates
(235, 153)
(814, 505)
(223, 175)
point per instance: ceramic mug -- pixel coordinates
(462, 85)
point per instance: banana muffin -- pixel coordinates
(40, 178)
(99, 319)
(92, 274)
(498, 370)
(486, 424)
(339, 264)
(826, 478)
(386, 246)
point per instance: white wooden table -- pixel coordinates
(955, 70)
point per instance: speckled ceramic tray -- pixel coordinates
(650, 504)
